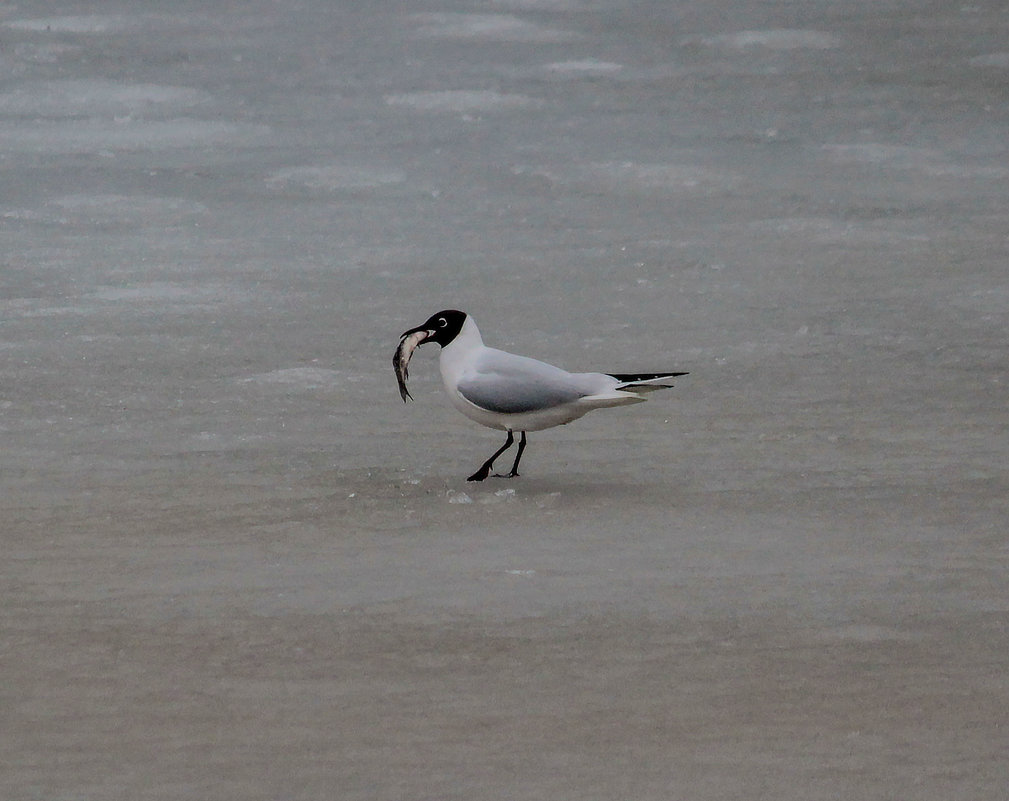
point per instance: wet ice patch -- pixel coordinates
(627, 176)
(662, 176)
(105, 137)
(127, 205)
(587, 66)
(541, 5)
(462, 101)
(159, 292)
(874, 153)
(863, 632)
(494, 27)
(103, 117)
(299, 377)
(996, 60)
(208, 441)
(803, 226)
(45, 52)
(28, 308)
(927, 161)
(95, 98)
(826, 230)
(985, 304)
(965, 171)
(91, 23)
(336, 177)
(130, 209)
(774, 39)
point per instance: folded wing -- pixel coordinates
(509, 384)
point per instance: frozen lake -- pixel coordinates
(236, 566)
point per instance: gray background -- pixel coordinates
(236, 566)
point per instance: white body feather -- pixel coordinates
(508, 392)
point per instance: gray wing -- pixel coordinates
(510, 384)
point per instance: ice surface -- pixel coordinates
(775, 39)
(95, 209)
(875, 153)
(237, 566)
(72, 98)
(998, 60)
(495, 27)
(462, 100)
(158, 293)
(585, 66)
(542, 5)
(94, 23)
(336, 177)
(302, 377)
(105, 137)
(621, 177)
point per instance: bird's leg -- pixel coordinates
(484, 470)
(518, 456)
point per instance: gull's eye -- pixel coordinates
(442, 322)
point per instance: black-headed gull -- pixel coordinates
(514, 393)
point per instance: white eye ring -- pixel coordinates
(442, 322)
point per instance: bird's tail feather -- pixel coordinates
(641, 389)
(643, 382)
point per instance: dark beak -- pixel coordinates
(426, 330)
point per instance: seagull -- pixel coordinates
(514, 393)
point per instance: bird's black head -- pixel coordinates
(442, 327)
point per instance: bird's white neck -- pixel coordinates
(458, 354)
(467, 338)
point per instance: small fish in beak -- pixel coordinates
(401, 360)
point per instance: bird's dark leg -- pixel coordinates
(484, 470)
(518, 456)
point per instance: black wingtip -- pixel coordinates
(631, 377)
